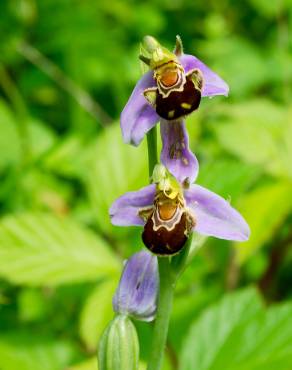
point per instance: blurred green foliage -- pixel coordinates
(67, 68)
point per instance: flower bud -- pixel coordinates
(137, 292)
(119, 346)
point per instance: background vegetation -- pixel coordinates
(67, 68)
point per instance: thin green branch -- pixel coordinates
(57, 75)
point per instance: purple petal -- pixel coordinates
(176, 155)
(124, 210)
(137, 292)
(213, 84)
(215, 216)
(138, 117)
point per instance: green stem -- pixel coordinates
(166, 280)
(163, 314)
(179, 262)
(152, 149)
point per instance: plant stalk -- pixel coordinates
(165, 301)
(152, 149)
(166, 277)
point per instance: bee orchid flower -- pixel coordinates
(168, 92)
(169, 211)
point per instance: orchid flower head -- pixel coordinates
(170, 90)
(170, 210)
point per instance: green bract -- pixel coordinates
(119, 346)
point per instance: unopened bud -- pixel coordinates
(119, 346)
(137, 292)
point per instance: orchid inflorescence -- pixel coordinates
(172, 207)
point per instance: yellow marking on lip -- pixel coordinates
(186, 105)
(150, 95)
(171, 113)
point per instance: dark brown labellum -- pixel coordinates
(167, 228)
(163, 241)
(178, 103)
(176, 94)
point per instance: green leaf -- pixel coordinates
(9, 139)
(285, 150)
(269, 9)
(113, 169)
(25, 353)
(68, 157)
(97, 312)
(90, 364)
(240, 175)
(37, 249)
(166, 364)
(31, 304)
(239, 334)
(257, 133)
(227, 61)
(265, 209)
(40, 137)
